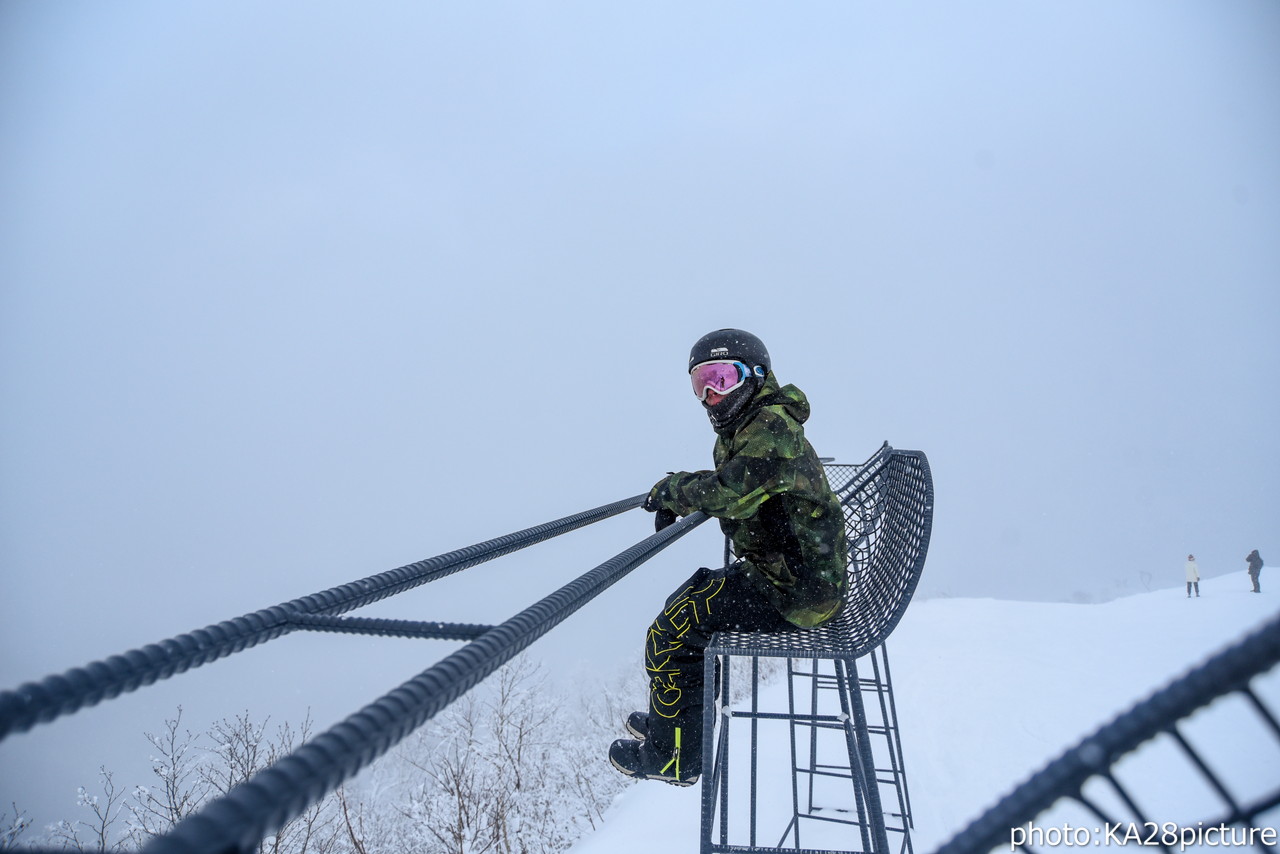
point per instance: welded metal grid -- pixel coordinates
(846, 765)
(842, 757)
(1193, 768)
(888, 507)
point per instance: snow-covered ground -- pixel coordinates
(989, 691)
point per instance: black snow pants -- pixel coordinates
(712, 600)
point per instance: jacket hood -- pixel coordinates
(789, 397)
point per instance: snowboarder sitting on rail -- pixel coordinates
(770, 493)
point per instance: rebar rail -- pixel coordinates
(1228, 672)
(48, 699)
(390, 628)
(274, 796)
(236, 822)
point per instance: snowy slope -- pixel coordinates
(989, 691)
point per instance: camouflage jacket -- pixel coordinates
(771, 496)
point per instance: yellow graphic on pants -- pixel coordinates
(689, 607)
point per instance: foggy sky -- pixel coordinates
(292, 295)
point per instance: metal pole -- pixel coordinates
(54, 696)
(251, 811)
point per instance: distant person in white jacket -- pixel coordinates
(1193, 575)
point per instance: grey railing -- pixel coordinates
(239, 820)
(1083, 782)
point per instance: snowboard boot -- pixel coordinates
(638, 725)
(641, 760)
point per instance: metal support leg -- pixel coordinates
(715, 751)
(861, 758)
(845, 758)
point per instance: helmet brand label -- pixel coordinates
(719, 351)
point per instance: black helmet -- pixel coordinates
(738, 346)
(731, 344)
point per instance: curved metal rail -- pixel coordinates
(888, 509)
(1229, 672)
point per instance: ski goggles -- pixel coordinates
(721, 377)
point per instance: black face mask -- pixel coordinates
(731, 406)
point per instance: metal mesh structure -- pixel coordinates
(1195, 767)
(848, 778)
(888, 508)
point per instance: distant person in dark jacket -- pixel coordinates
(1255, 569)
(1193, 575)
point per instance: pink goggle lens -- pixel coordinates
(720, 377)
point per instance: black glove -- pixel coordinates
(653, 501)
(662, 518)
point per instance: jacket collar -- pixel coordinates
(769, 394)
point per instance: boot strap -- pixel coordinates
(675, 759)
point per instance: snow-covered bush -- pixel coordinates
(513, 766)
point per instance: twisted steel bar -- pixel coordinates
(60, 694)
(389, 628)
(1226, 672)
(258, 807)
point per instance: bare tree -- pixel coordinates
(97, 833)
(514, 767)
(352, 823)
(518, 723)
(510, 768)
(12, 828)
(242, 749)
(368, 823)
(455, 811)
(180, 790)
(593, 783)
(240, 752)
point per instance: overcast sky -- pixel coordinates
(291, 294)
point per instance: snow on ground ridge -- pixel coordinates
(989, 691)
